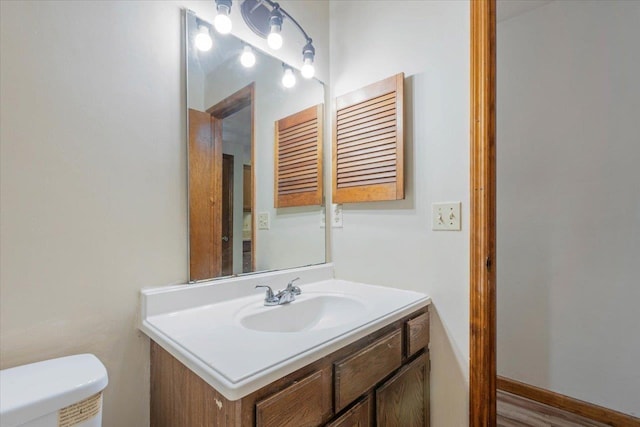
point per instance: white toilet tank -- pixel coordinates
(60, 392)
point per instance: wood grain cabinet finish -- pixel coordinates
(358, 416)
(374, 381)
(360, 371)
(306, 403)
(417, 334)
(400, 401)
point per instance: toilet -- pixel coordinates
(60, 392)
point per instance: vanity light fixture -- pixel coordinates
(288, 78)
(248, 58)
(203, 39)
(308, 53)
(274, 39)
(265, 18)
(222, 22)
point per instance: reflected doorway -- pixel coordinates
(221, 196)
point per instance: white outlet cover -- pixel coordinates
(446, 216)
(263, 221)
(336, 216)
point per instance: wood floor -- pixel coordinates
(516, 411)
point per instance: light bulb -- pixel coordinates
(274, 40)
(222, 22)
(248, 58)
(307, 70)
(288, 78)
(203, 39)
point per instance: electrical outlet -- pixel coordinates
(336, 216)
(263, 221)
(446, 216)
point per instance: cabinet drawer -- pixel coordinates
(358, 416)
(417, 334)
(359, 372)
(307, 403)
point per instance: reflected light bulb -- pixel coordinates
(288, 78)
(222, 22)
(248, 58)
(307, 70)
(274, 40)
(203, 39)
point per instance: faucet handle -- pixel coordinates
(269, 293)
(292, 288)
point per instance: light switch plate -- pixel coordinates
(263, 221)
(336, 216)
(446, 216)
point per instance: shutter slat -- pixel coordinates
(376, 155)
(360, 139)
(368, 166)
(298, 135)
(351, 148)
(385, 147)
(310, 124)
(367, 118)
(367, 182)
(302, 142)
(376, 127)
(366, 105)
(348, 164)
(303, 151)
(297, 166)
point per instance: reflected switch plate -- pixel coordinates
(263, 221)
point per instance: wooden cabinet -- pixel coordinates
(380, 380)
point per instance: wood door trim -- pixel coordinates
(566, 403)
(482, 321)
(235, 102)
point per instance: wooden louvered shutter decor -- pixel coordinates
(368, 139)
(298, 159)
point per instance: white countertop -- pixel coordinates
(210, 339)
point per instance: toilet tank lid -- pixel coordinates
(31, 391)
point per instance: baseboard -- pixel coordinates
(566, 403)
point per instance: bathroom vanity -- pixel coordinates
(341, 354)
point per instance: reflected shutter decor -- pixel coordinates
(298, 159)
(368, 143)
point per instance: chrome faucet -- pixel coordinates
(284, 296)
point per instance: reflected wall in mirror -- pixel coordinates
(234, 227)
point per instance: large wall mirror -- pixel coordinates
(233, 115)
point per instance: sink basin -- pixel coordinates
(305, 314)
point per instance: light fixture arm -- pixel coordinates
(276, 6)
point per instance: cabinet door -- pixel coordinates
(358, 416)
(403, 401)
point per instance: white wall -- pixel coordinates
(391, 243)
(569, 200)
(93, 179)
(93, 184)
